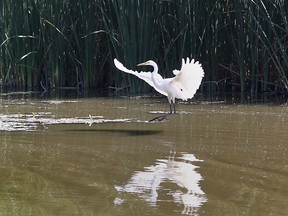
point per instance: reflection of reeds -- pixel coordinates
(31, 183)
(242, 44)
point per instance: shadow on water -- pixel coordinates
(123, 132)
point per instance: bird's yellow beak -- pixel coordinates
(141, 64)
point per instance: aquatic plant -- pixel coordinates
(52, 44)
(241, 44)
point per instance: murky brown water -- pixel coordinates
(100, 156)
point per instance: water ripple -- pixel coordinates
(30, 122)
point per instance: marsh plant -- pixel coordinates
(63, 43)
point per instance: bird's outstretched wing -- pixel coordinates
(146, 76)
(187, 79)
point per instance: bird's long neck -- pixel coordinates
(155, 68)
(156, 78)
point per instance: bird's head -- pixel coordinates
(150, 62)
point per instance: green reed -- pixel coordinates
(241, 44)
(51, 44)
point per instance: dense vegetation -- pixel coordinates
(242, 44)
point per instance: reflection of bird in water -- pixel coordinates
(180, 173)
(183, 86)
(148, 184)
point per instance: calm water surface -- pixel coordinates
(100, 156)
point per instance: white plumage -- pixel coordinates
(182, 86)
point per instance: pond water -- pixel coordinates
(101, 156)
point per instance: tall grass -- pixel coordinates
(241, 44)
(52, 44)
(134, 35)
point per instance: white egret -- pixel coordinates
(182, 86)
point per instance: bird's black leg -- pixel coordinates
(174, 108)
(170, 105)
(162, 117)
